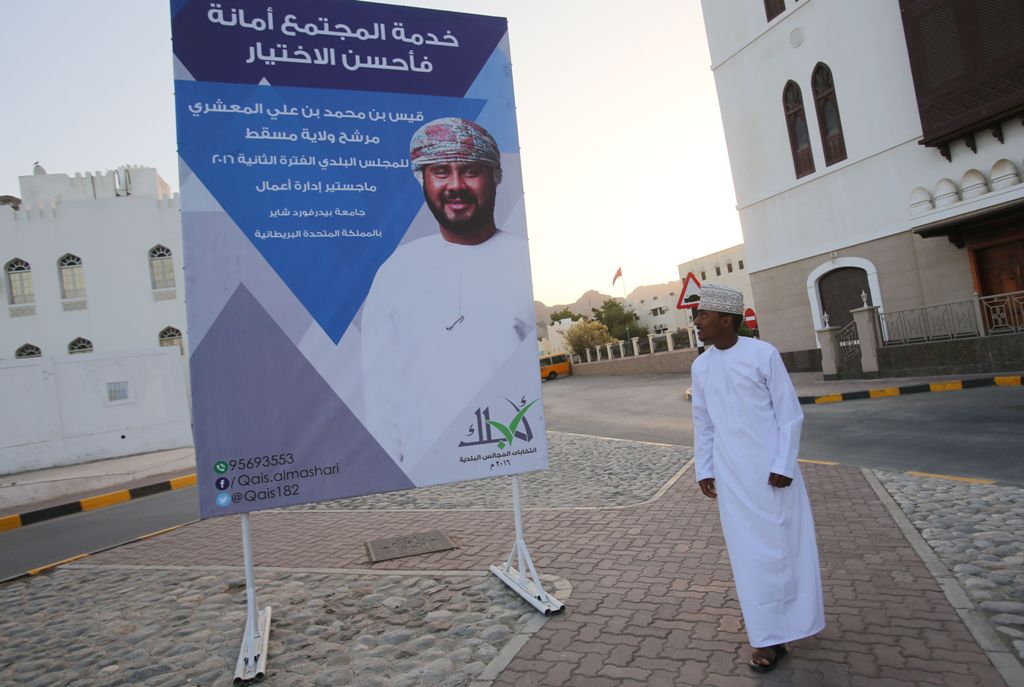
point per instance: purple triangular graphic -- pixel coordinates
(256, 395)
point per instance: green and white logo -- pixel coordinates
(517, 428)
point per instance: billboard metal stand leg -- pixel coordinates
(518, 572)
(252, 656)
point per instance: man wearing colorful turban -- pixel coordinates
(447, 310)
(458, 164)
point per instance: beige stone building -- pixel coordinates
(876, 150)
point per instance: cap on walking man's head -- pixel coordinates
(715, 301)
(716, 298)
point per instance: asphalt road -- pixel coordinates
(34, 546)
(973, 433)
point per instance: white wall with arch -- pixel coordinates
(814, 296)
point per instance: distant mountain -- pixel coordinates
(584, 305)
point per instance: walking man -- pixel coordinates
(747, 420)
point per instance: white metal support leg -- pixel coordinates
(252, 656)
(519, 569)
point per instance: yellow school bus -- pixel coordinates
(555, 366)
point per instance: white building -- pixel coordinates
(93, 288)
(655, 306)
(553, 340)
(861, 136)
(91, 263)
(726, 267)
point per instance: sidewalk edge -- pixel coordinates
(984, 634)
(931, 387)
(10, 522)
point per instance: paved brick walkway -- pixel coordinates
(652, 600)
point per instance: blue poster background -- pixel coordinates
(294, 120)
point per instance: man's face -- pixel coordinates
(461, 195)
(711, 326)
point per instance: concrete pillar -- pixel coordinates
(650, 340)
(668, 340)
(867, 332)
(609, 347)
(636, 346)
(622, 349)
(589, 359)
(829, 352)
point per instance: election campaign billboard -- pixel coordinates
(360, 309)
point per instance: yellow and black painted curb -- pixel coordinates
(10, 522)
(889, 392)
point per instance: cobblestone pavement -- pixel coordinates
(327, 629)
(652, 597)
(977, 530)
(585, 472)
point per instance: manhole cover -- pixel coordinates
(417, 544)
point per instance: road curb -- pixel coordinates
(933, 387)
(1004, 660)
(11, 522)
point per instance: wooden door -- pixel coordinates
(1000, 268)
(840, 293)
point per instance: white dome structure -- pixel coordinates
(946, 193)
(1004, 175)
(973, 184)
(920, 201)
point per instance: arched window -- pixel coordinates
(72, 277)
(171, 336)
(829, 123)
(19, 282)
(28, 351)
(161, 267)
(796, 122)
(80, 345)
(773, 8)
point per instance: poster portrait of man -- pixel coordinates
(447, 310)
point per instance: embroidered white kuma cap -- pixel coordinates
(717, 298)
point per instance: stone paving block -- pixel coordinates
(651, 584)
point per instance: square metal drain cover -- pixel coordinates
(417, 544)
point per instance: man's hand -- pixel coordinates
(780, 481)
(707, 487)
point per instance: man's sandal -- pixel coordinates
(780, 651)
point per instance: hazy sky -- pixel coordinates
(624, 159)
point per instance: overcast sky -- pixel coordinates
(623, 153)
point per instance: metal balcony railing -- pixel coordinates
(980, 316)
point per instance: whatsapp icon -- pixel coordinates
(220, 467)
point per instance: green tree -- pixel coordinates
(560, 315)
(586, 334)
(618, 319)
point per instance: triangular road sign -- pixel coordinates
(690, 295)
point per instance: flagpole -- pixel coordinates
(623, 278)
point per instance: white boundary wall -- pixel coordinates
(57, 411)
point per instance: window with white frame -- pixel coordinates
(161, 267)
(28, 351)
(80, 345)
(19, 282)
(72, 277)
